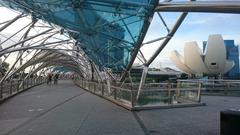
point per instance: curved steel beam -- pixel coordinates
(203, 6)
(51, 58)
(12, 21)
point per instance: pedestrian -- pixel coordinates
(56, 76)
(49, 78)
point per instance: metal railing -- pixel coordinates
(15, 86)
(156, 94)
(217, 87)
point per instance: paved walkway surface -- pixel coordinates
(65, 109)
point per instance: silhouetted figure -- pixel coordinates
(49, 78)
(55, 79)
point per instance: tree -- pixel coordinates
(184, 76)
(4, 68)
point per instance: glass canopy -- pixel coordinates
(108, 31)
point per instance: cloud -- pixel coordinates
(196, 27)
(196, 22)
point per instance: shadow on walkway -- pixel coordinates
(65, 109)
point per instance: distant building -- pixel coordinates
(212, 61)
(155, 75)
(232, 51)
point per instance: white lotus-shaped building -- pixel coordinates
(212, 61)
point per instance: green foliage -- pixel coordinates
(4, 68)
(5, 65)
(184, 76)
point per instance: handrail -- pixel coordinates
(9, 88)
(126, 95)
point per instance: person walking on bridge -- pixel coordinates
(49, 78)
(55, 78)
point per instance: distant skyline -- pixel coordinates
(196, 27)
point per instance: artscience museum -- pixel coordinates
(213, 61)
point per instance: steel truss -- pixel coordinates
(39, 49)
(183, 8)
(43, 47)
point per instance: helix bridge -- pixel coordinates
(97, 41)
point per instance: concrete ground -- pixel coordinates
(65, 109)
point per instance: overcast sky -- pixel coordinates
(196, 27)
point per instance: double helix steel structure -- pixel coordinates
(96, 39)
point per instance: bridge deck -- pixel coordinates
(64, 109)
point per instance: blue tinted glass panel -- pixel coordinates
(107, 30)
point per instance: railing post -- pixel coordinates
(11, 87)
(102, 88)
(17, 85)
(23, 84)
(178, 88)
(1, 90)
(94, 87)
(30, 82)
(115, 93)
(169, 95)
(89, 85)
(199, 92)
(114, 90)
(27, 82)
(132, 99)
(82, 82)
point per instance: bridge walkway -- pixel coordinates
(65, 109)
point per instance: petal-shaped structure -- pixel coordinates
(194, 61)
(215, 58)
(229, 65)
(193, 58)
(178, 60)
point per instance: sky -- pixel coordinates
(196, 27)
